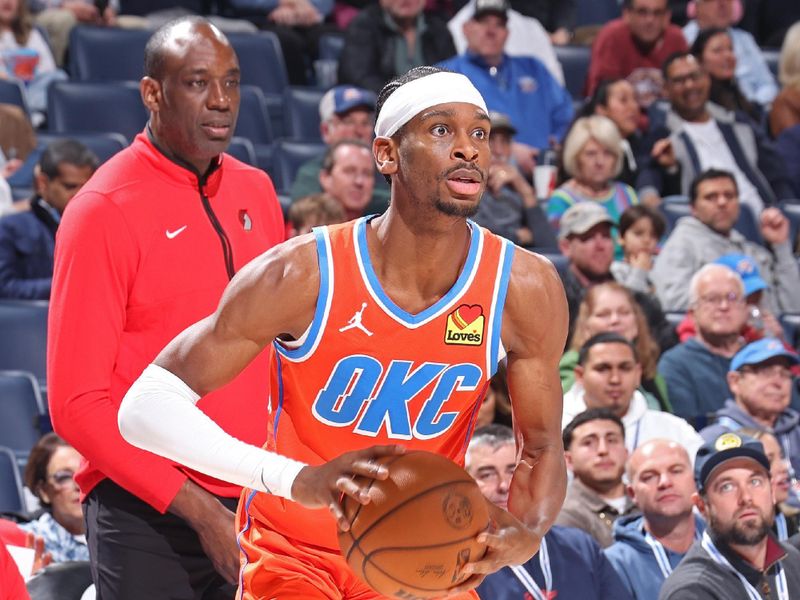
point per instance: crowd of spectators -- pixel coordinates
(670, 212)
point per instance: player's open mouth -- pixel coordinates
(464, 182)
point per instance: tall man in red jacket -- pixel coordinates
(634, 47)
(143, 251)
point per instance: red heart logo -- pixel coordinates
(468, 314)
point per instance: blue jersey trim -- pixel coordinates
(244, 530)
(322, 303)
(458, 287)
(497, 317)
(278, 410)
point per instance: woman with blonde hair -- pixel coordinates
(611, 307)
(785, 111)
(592, 157)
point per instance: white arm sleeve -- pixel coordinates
(158, 414)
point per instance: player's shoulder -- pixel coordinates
(532, 272)
(289, 262)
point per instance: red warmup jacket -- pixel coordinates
(144, 250)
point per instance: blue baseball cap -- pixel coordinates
(747, 269)
(723, 448)
(761, 350)
(343, 98)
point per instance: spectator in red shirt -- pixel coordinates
(634, 47)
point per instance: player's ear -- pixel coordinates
(150, 90)
(385, 152)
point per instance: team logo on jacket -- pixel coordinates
(245, 220)
(465, 326)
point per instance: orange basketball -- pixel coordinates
(418, 530)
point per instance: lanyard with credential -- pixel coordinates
(780, 525)
(716, 556)
(661, 554)
(527, 580)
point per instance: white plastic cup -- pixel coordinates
(544, 180)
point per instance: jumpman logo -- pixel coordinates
(355, 321)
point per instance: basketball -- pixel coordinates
(419, 528)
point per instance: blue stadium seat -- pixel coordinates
(330, 46)
(288, 157)
(11, 92)
(285, 201)
(106, 53)
(791, 328)
(560, 262)
(104, 145)
(747, 224)
(673, 211)
(675, 318)
(98, 107)
(261, 60)
(596, 12)
(772, 58)
(575, 62)
(302, 105)
(677, 199)
(23, 343)
(12, 498)
(243, 150)
(23, 412)
(253, 122)
(791, 208)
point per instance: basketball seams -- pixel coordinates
(368, 560)
(387, 463)
(409, 500)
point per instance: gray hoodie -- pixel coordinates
(693, 244)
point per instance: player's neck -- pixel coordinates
(416, 264)
(675, 533)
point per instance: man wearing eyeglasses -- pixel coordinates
(634, 47)
(760, 379)
(696, 370)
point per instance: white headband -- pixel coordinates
(413, 97)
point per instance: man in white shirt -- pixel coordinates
(607, 376)
(705, 136)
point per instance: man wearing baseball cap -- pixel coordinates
(345, 112)
(738, 556)
(584, 236)
(509, 206)
(760, 379)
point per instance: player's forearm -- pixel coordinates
(158, 414)
(539, 487)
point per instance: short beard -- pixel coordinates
(455, 210)
(740, 533)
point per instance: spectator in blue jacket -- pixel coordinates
(27, 238)
(649, 546)
(518, 86)
(569, 563)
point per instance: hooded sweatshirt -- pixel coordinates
(641, 423)
(635, 561)
(732, 417)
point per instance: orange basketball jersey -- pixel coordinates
(366, 372)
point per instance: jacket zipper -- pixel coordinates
(227, 249)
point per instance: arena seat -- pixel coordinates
(302, 107)
(596, 12)
(673, 211)
(675, 318)
(96, 107)
(288, 157)
(23, 412)
(104, 145)
(23, 343)
(261, 60)
(254, 124)
(61, 581)
(12, 498)
(106, 53)
(330, 46)
(791, 328)
(11, 92)
(791, 208)
(772, 58)
(242, 149)
(575, 62)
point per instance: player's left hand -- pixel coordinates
(508, 542)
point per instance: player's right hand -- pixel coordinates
(326, 484)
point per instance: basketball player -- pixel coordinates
(443, 301)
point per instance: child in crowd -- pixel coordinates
(26, 57)
(640, 229)
(313, 211)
